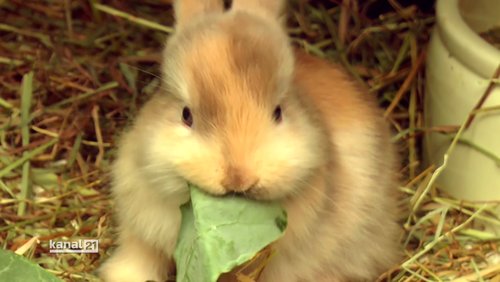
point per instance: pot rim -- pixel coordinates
(463, 42)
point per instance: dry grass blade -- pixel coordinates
(132, 18)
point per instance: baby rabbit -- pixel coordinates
(241, 112)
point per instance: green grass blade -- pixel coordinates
(26, 97)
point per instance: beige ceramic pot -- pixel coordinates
(460, 66)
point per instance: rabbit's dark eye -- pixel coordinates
(227, 4)
(187, 118)
(277, 114)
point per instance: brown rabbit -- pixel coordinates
(240, 111)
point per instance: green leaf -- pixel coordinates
(16, 268)
(47, 178)
(220, 233)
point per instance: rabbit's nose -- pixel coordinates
(238, 180)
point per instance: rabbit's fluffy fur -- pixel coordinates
(328, 159)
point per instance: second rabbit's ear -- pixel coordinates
(272, 8)
(189, 10)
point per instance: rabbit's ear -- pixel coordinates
(189, 10)
(273, 8)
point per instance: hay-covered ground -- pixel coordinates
(93, 65)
